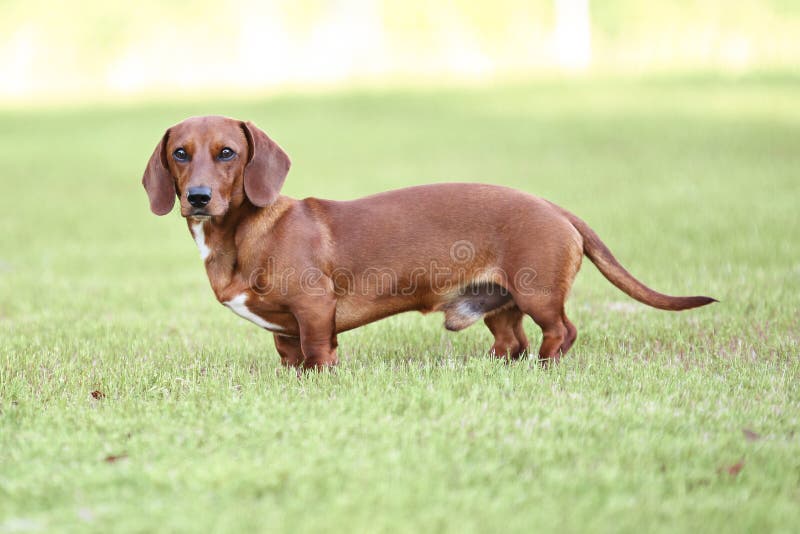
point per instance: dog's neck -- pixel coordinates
(216, 238)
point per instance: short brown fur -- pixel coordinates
(309, 269)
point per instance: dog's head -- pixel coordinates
(214, 164)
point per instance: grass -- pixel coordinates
(655, 421)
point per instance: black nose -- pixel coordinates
(199, 196)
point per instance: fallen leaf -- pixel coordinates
(111, 458)
(97, 394)
(749, 435)
(732, 470)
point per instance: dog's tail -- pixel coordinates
(607, 264)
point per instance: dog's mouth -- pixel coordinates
(200, 215)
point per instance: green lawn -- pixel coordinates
(692, 182)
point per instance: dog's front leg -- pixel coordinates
(317, 321)
(289, 349)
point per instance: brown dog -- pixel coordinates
(309, 269)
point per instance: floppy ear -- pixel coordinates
(157, 180)
(266, 168)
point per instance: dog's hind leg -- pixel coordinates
(554, 332)
(509, 336)
(546, 308)
(572, 334)
(543, 294)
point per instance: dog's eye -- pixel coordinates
(180, 155)
(226, 154)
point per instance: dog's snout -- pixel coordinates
(199, 197)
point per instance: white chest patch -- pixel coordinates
(200, 239)
(237, 305)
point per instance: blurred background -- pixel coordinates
(88, 49)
